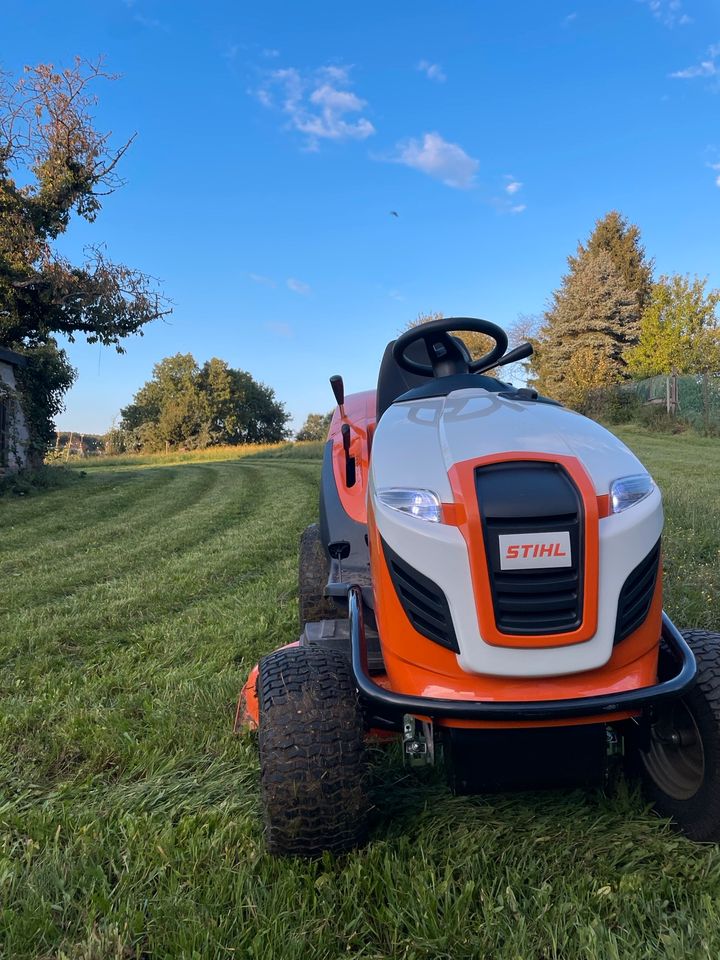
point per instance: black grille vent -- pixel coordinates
(422, 600)
(637, 594)
(531, 498)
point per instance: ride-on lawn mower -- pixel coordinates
(485, 578)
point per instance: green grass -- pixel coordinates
(133, 604)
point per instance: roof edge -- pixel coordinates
(9, 356)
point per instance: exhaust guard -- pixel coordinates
(400, 703)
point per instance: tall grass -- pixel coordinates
(132, 607)
(307, 450)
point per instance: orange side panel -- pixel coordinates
(360, 414)
(462, 480)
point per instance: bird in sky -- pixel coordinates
(394, 213)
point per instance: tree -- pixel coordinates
(54, 165)
(316, 427)
(613, 234)
(592, 312)
(586, 371)
(679, 330)
(185, 405)
(612, 256)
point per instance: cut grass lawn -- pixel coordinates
(133, 604)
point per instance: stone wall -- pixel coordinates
(17, 428)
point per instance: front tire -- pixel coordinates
(681, 767)
(312, 753)
(313, 575)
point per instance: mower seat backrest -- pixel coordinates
(393, 381)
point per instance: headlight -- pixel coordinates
(627, 491)
(416, 503)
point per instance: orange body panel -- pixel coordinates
(462, 480)
(360, 413)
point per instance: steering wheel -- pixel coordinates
(446, 357)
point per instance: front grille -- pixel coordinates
(637, 594)
(532, 498)
(423, 601)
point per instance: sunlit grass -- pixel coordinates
(307, 450)
(132, 606)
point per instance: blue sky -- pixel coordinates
(274, 139)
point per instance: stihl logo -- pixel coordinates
(535, 550)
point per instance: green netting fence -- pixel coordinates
(694, 398)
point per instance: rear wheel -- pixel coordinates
(313, 575)
(681, 767)
(312, 753)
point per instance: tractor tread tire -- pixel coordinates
(312, 753)
(313, 574)
(699, 816)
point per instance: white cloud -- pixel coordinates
(280, 329)
(513, 185)
(396, 295)
(716, 168)
(299, 286)
(263, 281)
(706, 68)
(518, 208)
(668, 12)
(438, 158)
(569, 19)
(318, 104)
(271, 53)
(433, 71)
(151, 23)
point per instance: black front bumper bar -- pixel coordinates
(387, 701)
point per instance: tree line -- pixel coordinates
(190, 406)
(610, 321)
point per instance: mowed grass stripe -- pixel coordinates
(129, 509)
(197, 525)
(158, 626)
(129, 812)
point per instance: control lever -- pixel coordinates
(339, 550)
(338, 389)
(349, 461)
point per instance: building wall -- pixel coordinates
(16, 427)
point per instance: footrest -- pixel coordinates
(335, 635)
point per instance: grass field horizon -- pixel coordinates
(134, 602)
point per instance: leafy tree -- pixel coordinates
(42, 385)
(586, 371)
(679, 330)
(614, 235)
(582, 316)
(185, 405)
(54, 164)
(316, 427)
(592, 313)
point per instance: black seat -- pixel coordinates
(393, 381)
